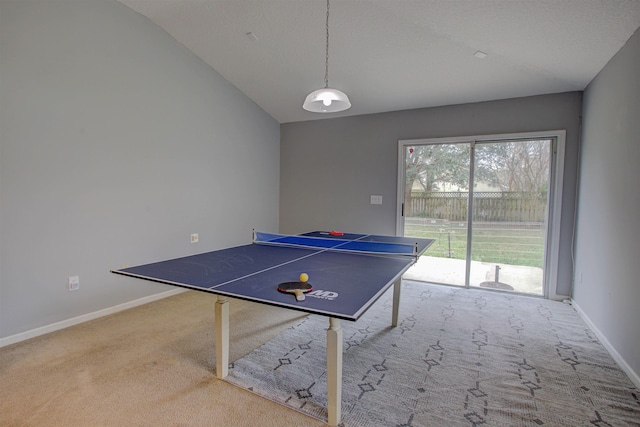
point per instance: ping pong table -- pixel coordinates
(348, 272)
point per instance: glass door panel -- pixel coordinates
(509, 205)
(436, 207)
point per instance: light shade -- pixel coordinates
(326, 100)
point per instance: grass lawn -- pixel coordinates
(504, 243)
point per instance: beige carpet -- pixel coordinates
(149, 366)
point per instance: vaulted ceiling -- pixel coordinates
(392, 55)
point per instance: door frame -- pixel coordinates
(552, 249)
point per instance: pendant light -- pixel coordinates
(326, 100)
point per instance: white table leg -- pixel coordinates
(222, 337)
(396, 302)
(334, 371)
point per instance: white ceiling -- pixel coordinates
(392, 55)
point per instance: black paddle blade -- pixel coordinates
(297, 288)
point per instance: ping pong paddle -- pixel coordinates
(336, 233)
(297, 288)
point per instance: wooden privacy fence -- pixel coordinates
(487, 206)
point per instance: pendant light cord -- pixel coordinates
(326, 62)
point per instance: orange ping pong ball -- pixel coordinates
(304, 277)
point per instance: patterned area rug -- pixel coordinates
(459, 357)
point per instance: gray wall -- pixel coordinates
(116, 144)
(329, 168)
(607, 284)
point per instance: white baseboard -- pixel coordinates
(633, 376)
(85, 317)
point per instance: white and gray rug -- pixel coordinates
(459, 357)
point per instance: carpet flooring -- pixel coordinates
(149, 366)
(459, 357)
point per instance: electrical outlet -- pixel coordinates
(194, 238)
(74, 283)
(376, 200)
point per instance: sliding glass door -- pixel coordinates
(436, 206)
(486, 205)
(510, 208)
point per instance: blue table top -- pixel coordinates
(344, 284)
